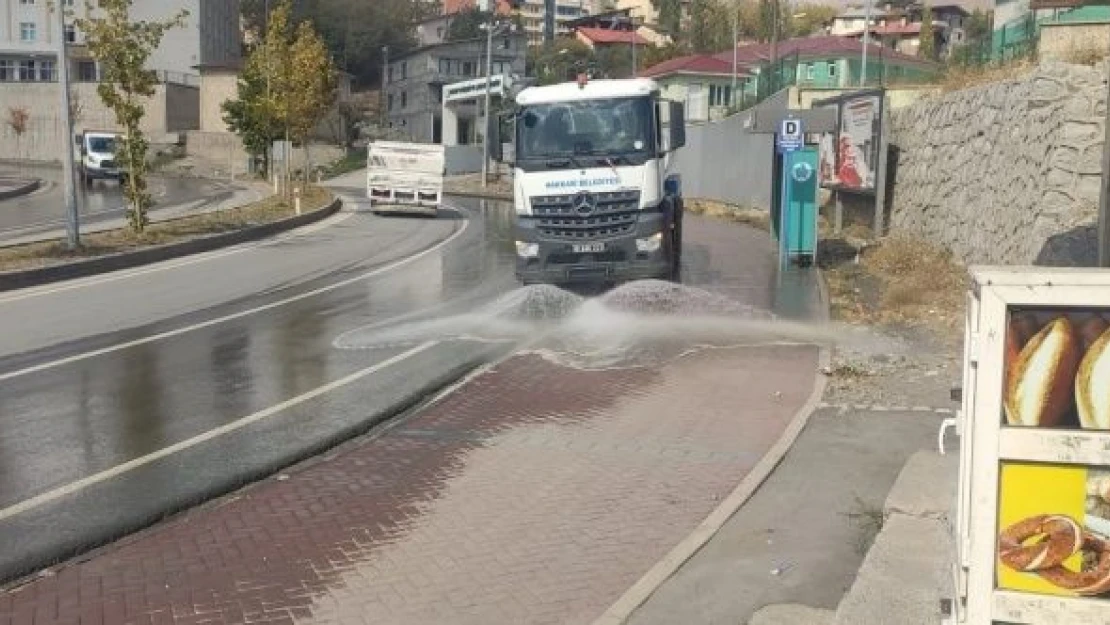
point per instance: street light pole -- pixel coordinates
(73, 224)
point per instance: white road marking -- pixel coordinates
(244, 313)
(120, 469)
(172, 264)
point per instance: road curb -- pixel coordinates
(625, 606)
(78, 548)
(21, 279)
(24, 189)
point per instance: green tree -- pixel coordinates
(122, 47)
(252, 115)
(560, 61)
(309, 87)
(928, 46)
(670, 16)
(468, 25)
(978, 25)
(710, 26)
(809, 19)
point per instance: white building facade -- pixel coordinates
(29, 33)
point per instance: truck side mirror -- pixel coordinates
(677, 126)
(77, 140)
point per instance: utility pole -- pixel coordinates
(73, 224)
(635, 67)
(735, 46)
(485, 135)
(774, 41)
(866, 42)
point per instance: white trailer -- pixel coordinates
(405, 178)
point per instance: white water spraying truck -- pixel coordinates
(592, 197)
(404, 178)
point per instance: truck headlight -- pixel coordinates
(527, 250)
(650, 244)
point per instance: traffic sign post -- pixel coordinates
(791, 136)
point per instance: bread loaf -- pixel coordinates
(1040, 384)
(1022, 327)
(1092, 385)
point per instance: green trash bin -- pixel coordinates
(797, 226)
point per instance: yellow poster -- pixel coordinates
(1053, 526)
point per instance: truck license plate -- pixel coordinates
(588, 248)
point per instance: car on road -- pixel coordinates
(97, 157)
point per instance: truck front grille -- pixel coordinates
(614, 214)
(107, 164)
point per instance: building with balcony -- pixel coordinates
(415, 84)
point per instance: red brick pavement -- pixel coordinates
(534, 494)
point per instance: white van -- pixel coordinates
(97, 157)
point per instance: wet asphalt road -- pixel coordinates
(44, 209)
(129, 395)
(84, 388)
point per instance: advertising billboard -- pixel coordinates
(849, 157)
(1033, 513)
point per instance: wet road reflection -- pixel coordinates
(79, 419)
(123, 405)
(45, 209)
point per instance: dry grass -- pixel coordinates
(1085, 54)
(753, 217)
(170, 231)
(958, 78)
(900, 281)
(922, 284)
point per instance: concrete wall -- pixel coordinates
(171, 109)
(216, 87)
(1008, 172)
(1064, 41)
(723, 161)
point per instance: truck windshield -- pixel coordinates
(617, 126)
(102, 144)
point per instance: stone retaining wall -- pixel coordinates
(1006, 173)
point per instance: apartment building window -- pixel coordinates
(832, 69)
(404, 99)
(468, 68)
(27, 31)
(390, 104)
(404, 70)
(47, 71)
(7, 70)
(86, 71)
(26, 1)
(71, 34)
(809, 72)
(27, 71)
(445, 66)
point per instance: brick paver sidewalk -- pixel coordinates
(535, 494)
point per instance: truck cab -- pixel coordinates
(97, 157)
(592, 198)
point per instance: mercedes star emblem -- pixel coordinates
(584, 204)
